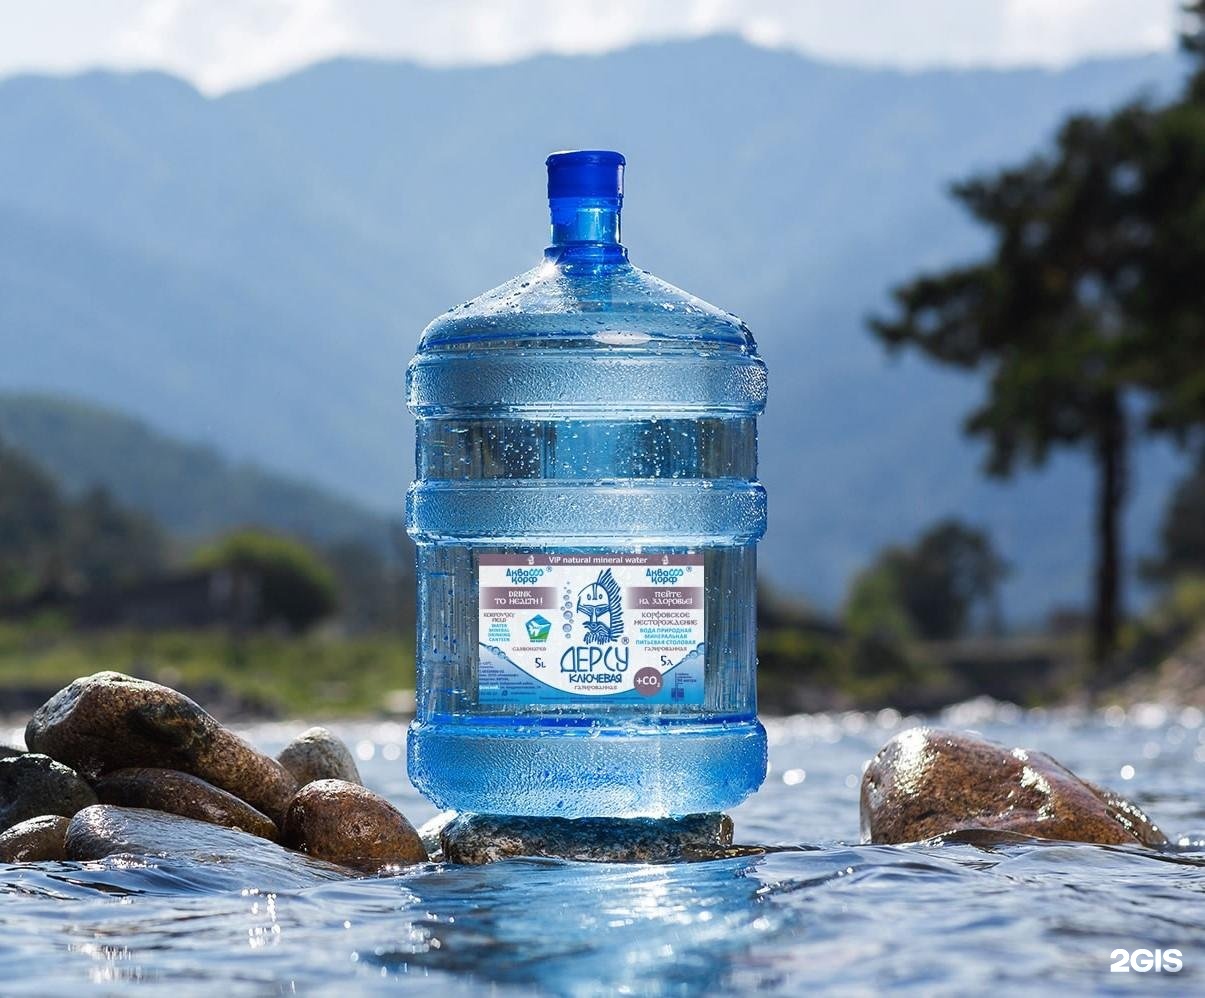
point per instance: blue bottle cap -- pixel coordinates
(585, 173)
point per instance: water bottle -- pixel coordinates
(586, 513)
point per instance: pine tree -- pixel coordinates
(1048, 316)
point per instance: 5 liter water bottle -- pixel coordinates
(586, 513)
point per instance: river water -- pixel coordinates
(820, 913)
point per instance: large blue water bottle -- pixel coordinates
(586, 511)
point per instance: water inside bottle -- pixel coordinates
(586, 512)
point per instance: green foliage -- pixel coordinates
(307, 676)
(1182, 533)
(883, 658)
(881, 653)
(296, 587)
(1184, 602)
(1044, 314)
(49, 540)
(875, 605)
(1164, 356)
(1090, 296)
(31, 517)
(801, 669)
(108, 546)
(377, 593)
(193, 492)
(930, 590)
(909, 595)
(1179, 613)
(952, 571)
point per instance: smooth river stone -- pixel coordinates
(35, 840)
(486, 838)
(32, 785)
(348, 824)
(926, 783)
(316, 754)
(112, 721)
(183, 794)
(229, 856)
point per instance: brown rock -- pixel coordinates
(345, 823)
(926, 783)
(316, 754)
(32, 785)
(112, 721)
(35, 840)
(180, 793)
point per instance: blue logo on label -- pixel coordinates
(664, 576)
(523, 576)
(602, 606)
(538, 628)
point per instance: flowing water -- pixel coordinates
(819, 913)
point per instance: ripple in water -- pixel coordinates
(818, 911)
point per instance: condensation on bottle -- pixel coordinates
(586, 512)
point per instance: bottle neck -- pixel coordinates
(585, 230)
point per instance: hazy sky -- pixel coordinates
(220, 44)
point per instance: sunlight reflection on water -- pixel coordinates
(824, 911)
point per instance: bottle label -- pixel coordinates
(563, 628)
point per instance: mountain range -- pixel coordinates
(190, 489)
(251, 272)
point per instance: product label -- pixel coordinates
(563, 628)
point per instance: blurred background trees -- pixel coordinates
(1083, 321)
(1086, 317)
(59, 547)
(49, 541)
(29, 522)
(294, 587)
(936, 589)
(1182, 533)
(252, 618)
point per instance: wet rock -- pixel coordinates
(430, 832)
(316, 754)
(7, 751)
(1128, 814)
(35, 840)
(487, 838)
(32, 785)
(111, 721)
(926, 783)
(104, 830)
(346, 823)
(183, 794)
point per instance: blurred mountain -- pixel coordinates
(252, 271)
(187, 488)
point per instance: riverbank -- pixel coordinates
(253, 676)
(331, 676)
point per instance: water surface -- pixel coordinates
(823, 912)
